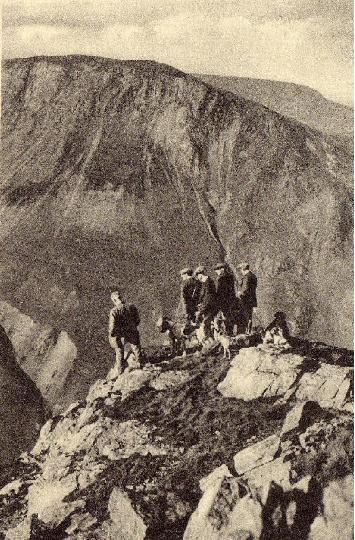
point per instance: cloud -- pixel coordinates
(296, 41)
(90, 12)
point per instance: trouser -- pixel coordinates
(205, 330)
(229, 319)
(121, 360)
(246, 320)
(189, 324)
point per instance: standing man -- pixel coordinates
(190, 290)
(206, 308)
(123, 329)
(247, 295)
(226, 299)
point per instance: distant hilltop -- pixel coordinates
(293, 100)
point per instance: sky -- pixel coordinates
(307, 42)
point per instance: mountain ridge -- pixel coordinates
(295, 101)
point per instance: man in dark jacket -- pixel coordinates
(190, 291)
(206, 307)
(123, 330)
(226, 299)
(247, 296)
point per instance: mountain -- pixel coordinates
(181, 450)
(293, 100)
(22, 410)
(119, 173)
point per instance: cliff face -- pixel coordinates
(119, 173)
(174, 451)
(22, 411)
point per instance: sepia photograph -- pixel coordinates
(176, 270)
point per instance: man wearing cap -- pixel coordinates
(190, 290)
(123, 330)
(247, 295)
(206, 308)
(226, 300)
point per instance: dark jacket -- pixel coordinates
(124, 322)
(225, 293)
(207, 298)
(247, 289)
(190, 295)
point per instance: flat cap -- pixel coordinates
(200, 270)
(243, 266)
(220, 265)
(186, 270)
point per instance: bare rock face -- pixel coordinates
(85, 430)
(262, 453)
(260, 372)
(45, 354)
(124, 522)
(335, 520)
(226, 510)
(269, 494)
(22, 410)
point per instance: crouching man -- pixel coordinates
(123, 330)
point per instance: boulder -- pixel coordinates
(226, 510)
(256, 373)
(337, 514)
(233, 508)
(124, 522)
(259, 372)
(259, 479)
(329, 385)
(256, 455)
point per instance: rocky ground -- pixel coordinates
(181, 449)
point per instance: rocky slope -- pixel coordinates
(102, 158)
(22, 410)
(293, 100)
(161, 452)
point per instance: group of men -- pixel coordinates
(202, 300)
(234, 301)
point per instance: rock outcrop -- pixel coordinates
(22, 410)
(45, 354)
(276, 490)
(127, 462)
(270, 372)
